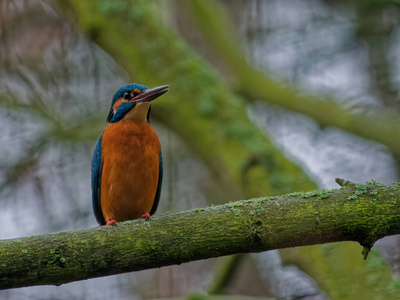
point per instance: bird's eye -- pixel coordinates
(127, 96)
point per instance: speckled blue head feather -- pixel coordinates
(120, 93)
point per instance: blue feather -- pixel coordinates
(158, 192)
(121, 111)
(96, 181)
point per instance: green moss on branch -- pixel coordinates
(239, 227)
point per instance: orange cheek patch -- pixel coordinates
(118, 103)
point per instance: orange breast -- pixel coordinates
(130, 170)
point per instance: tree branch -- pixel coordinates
(356, 212)
(216, 25)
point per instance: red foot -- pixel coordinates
(146, 216)
(111, 222)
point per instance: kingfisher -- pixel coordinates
(127, 166)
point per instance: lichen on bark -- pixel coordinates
(244, 226)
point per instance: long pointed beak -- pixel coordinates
(151, 94)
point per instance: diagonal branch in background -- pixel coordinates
(356, 212)
(201, 109)
(215, 24)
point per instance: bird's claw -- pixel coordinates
(146, 216)
(111, 222)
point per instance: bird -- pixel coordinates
(127, 165)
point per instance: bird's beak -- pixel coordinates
(150, 94)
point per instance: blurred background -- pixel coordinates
(61, 62)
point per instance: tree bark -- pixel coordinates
(356, 212)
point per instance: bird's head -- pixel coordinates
(132, 101)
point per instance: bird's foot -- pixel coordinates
(111, 222)
(146, 216)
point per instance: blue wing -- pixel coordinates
(160, 177)
(96, 181)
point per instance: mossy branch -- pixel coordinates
(214, 22)
(356, 212)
